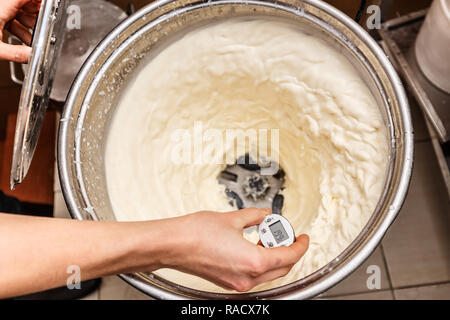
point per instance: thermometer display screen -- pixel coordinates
(278, 231)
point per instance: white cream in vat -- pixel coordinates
(252, 74)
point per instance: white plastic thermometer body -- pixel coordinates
(276, 231)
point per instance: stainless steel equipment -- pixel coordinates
(432, 45)
(57, 55)
(92, 100)
(97, 19)
(399, 36)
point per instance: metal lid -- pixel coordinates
(47, 41)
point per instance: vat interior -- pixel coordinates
(139, 47)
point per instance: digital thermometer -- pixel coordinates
(276, 231)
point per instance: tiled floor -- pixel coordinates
(114, 288)
(439, 291)
(417, 246)
(356, 283)
(375, 295)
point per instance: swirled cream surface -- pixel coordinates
(250, 74)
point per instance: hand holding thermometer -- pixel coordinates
(276, 231)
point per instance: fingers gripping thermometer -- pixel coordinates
(276, 231)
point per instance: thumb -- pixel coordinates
(281, 257)
(15, 53)
(250, 216)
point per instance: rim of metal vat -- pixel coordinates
(399, 128)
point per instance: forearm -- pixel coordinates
(36, 252)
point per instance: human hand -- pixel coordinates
(211, 245)
(17, 16)
(206, 244)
